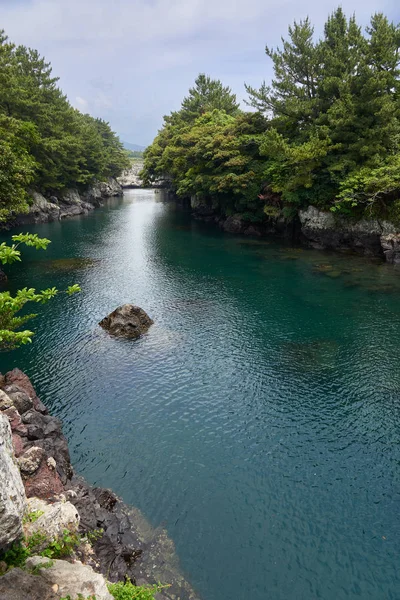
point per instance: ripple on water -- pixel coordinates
(258, 419)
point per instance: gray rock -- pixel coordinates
(72, 579)
(21, 400)
(69, 203)
(30, 461)
(234, 224)
(127, 321)
(102, 189)
(54, 520)
(130, 177)
(324, 229)
(5, 401)
(21, 585)
(391, 247)
(12, 493)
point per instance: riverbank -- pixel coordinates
(321, 230)
(69, 203)
(126, 547)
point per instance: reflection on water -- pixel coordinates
(258, 418)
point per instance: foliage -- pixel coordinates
(19, 552)
(33, 516)
(326, 130)
(10, 306)
(44, 142)
(135, 154)
(63, 546)
(128, 591)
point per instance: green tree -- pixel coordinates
(45, 143)
(206, 95)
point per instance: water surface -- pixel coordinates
(258, 419)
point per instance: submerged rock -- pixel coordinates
(127, 321)
(69, 264)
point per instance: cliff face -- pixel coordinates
(317, 229)
(131, 178)
(67, 204)
(372, 237)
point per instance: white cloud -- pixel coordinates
(81, 103)
(131, 61)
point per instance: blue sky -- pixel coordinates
(131, 61)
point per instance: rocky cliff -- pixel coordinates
(322, 230)
(66, 204)
(41, 498)
(130, 178)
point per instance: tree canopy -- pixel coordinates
(326, 131)
(44, 142)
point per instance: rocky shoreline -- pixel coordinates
(127, 546)
(69, 203)
(317, 229)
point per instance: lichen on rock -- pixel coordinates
(12, 493)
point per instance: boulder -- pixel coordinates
(45, 483)
(30, 461)
(22, 381)
(21, 585)
(127, 321)
(234, 224)
(19, 397)
(54, 519)
(5, 401)
(73, 579)
(12, 493)
(391, 247)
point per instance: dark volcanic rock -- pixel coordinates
(127, 321)
(45, 483)
(18, 378)
(20, 398)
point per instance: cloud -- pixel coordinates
(81, 103)
(132, 61)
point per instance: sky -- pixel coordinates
(132, 61)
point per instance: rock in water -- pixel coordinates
(12, 493)
(127, 321)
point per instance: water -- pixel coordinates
(259, 418)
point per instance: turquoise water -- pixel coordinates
(258, 419)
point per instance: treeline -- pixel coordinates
(44, 142)
(326, 131)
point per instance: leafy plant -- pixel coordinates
(63, 546)
(20, 551)
(32, 516)
(11, 306)
(128, 591)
